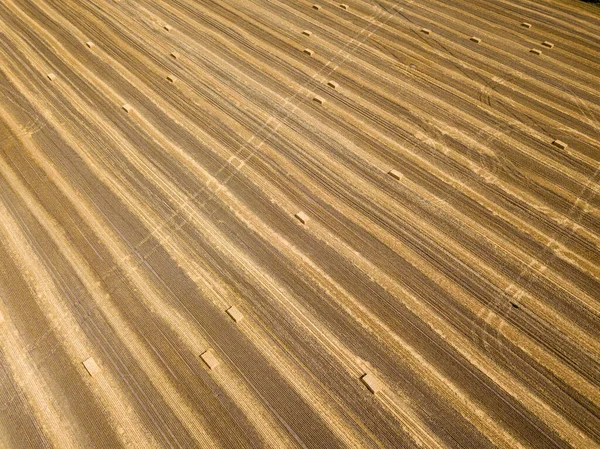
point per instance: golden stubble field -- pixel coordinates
(273, 223)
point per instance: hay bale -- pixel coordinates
(306, 32)
(425, 30)
(475, 39)
(235, 314)
(236, 162)
(317, 7)
(560, 144)
(526, 25)
(535, 51)
(171, 78)
(209, 358)
(127, 108)
(318, 99)
(51, 76)
(333, 84)
(175, 55)
(395, 174)
(91, 366)
(308, 51)
(344, 6)
(213, 185)
(372, 383)
(168, 27)
(90, 44)
(301, 217)
(548, 44)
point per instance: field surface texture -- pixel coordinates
(273, 223)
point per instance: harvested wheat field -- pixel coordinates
(279, 223)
